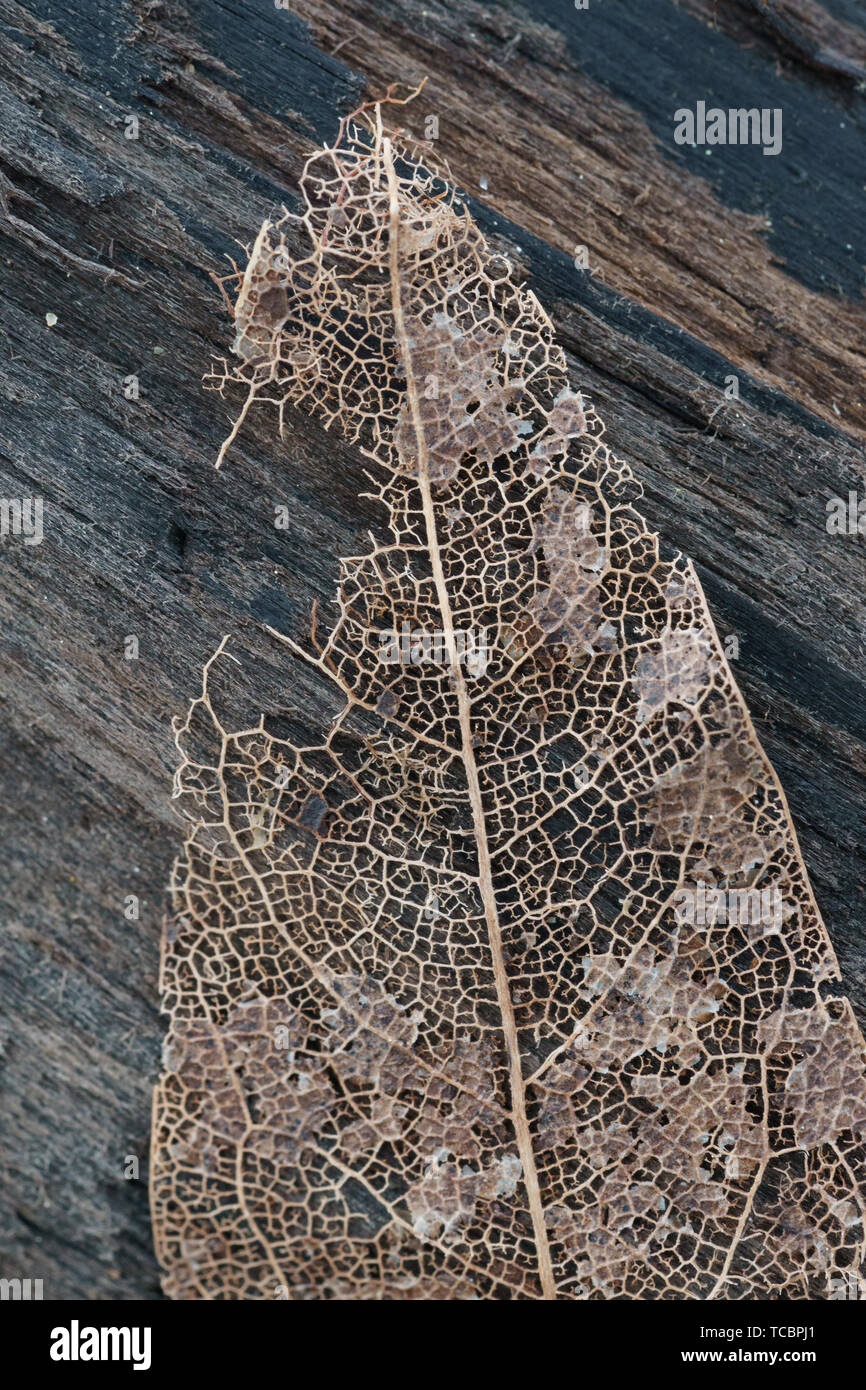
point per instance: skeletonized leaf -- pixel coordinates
(510, 984)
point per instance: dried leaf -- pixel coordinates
(440, 1024)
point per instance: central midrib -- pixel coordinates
(485, 873)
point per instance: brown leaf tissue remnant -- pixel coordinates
(436, 1027)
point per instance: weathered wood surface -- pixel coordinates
(700, 267)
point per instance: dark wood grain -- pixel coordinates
(567, 117)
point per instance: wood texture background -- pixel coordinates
(560, 123)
